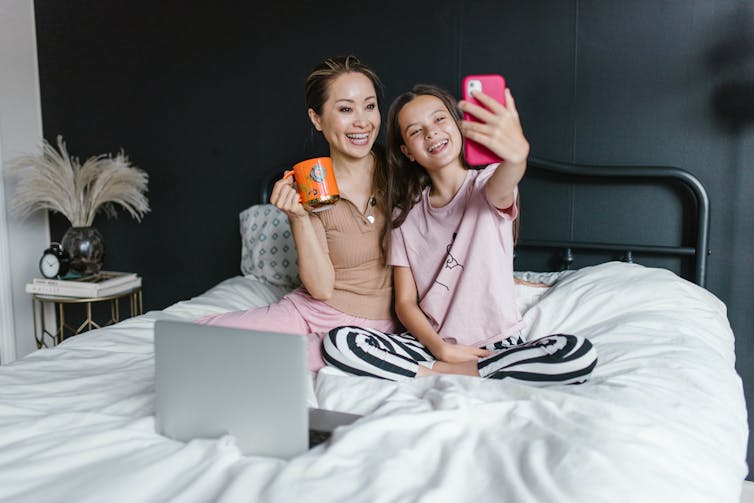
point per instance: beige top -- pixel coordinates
(363, 283)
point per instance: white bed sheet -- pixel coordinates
(662, 419)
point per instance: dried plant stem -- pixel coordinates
(57, 182)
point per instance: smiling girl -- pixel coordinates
(452, 254)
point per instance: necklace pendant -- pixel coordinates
(370, 218)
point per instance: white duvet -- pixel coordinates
(663, 418)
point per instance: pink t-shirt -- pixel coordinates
(461, 257)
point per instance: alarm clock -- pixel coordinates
(55, 261)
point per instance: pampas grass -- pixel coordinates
(57, 182)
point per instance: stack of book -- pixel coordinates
(102, 284)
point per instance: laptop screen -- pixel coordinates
(214, 381)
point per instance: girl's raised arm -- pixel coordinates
(500, 131)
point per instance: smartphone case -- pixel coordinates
(491, 85)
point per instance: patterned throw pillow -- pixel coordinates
(267, 249)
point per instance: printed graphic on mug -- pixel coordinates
(315, 181)
(318, 173)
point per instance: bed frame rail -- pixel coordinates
(585, 172)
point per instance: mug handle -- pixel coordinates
(289, 173)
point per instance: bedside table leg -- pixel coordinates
(34, 314)
(88, 323)
(44, 338)
(60, 336)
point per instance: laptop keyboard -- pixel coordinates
(318, 437)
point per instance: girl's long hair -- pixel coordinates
(407, 179)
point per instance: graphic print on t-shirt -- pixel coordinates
(450, 262)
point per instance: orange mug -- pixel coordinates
(315, 181)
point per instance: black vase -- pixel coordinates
(86, 247)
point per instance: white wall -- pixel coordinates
(8, 341)
(21, 241)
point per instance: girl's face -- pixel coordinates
(350, 119)
(430, 134)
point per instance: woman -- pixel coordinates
(341, 255)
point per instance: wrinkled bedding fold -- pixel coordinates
(662, 419)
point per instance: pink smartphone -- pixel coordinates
(491, 85)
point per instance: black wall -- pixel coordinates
(208, 96)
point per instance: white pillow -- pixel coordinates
(268, 252)
(528, 295)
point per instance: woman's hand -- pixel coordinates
(285, 196)
(457, 353)
(314, 265)
(500, 127)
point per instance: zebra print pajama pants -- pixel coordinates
(553, 359)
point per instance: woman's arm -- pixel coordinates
(314, 265)
(500, 131)
(414, 320)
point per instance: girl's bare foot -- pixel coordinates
(468, 368)
(519, 281)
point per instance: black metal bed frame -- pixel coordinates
(586, 172)
(268, 180)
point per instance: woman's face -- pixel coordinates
(430, 134)
(350, 119)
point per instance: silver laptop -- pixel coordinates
(212, 381)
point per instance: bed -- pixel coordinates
(662, 419)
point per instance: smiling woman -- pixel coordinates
(340, 250)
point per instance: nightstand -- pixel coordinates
(46, 337)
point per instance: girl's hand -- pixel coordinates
(457, 353)
(499, 129)
(285, 196)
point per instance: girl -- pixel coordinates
(452, 253)
(345, 279)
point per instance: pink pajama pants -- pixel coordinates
(297, 313)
